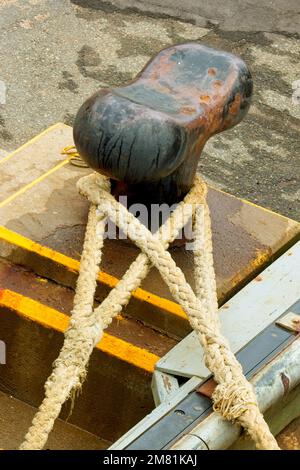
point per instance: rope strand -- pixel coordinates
(234, 396)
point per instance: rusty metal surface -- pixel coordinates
(208, 388)
(245, 237)
(253, 334)
(32, 350)
(278, 399)
(19, 279)
(149, 134)
(22, 281)
(196, 407)
(289, 437)
(16, 417)
(290, 321)
(243, 317)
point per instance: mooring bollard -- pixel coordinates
(147, 136)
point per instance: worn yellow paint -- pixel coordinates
(19, 241)
(50, 318)
(254, 265)
(70, 264)
(261, 258)
(33, 183)
(42, 280)
(30, 142)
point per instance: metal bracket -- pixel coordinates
(249, 321)
(243, 317)
(290, 322)
(197, 405)
(163, 385)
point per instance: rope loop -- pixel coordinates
(233, 397)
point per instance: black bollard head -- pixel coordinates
(127, 141)
(148, 135)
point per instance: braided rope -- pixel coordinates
(234, 396)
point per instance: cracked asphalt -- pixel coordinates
(54, 54)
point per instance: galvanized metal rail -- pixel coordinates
(251, 323)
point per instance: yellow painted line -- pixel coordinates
(70, 264)
(34, 182)
(31, 141)
(53, 319)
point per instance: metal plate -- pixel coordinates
(261, 302)
(43, 205)
(195, 407)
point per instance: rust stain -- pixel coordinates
(234, 107)
(258, 278)
(208, 388)
(205, 98)
(218, 83)
(285, 382)
(188, 110)
(246, 254)
(296, 325)
(188, 73)
(18, 279)
(289, 437)
(167, 383)
(289, 441)
(212, 71)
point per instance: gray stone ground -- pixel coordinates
(55, 53)
(229, 15)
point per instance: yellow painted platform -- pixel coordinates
(43, 223)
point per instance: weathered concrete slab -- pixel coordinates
(34, 162)
(44, 206)
(229, 15)
(89, 44)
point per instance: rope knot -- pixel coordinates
(234, 397)
(233, 400)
